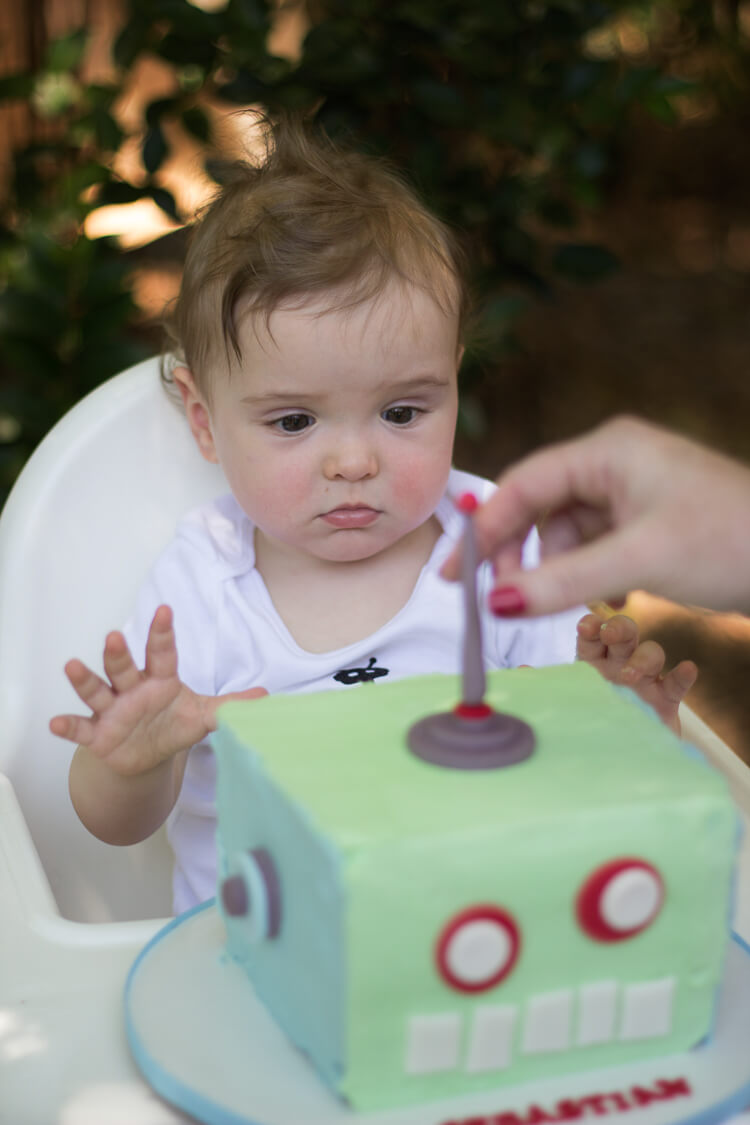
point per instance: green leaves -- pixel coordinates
(66, 53)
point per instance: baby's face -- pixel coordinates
(336, 431)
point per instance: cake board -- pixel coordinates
(206, 1044)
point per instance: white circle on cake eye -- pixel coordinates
(630, 899)
(478, 950)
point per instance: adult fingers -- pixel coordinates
(565, 530)
(560, 486)
(508, 559)
(595, 571)
(559, 478)
(502, 523)
(558, 533)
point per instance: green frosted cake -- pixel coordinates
(423, 931)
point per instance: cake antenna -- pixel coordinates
(474, 680)
(473, 736)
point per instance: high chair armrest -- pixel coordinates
(24, 889)
(716, 751)
(719, 754)
(38, 947)
(63, 1052)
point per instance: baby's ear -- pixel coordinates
(196, 412)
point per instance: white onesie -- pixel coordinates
(230, 638)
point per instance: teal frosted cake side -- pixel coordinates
(424, 932)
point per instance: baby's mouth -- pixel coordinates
(351, 517)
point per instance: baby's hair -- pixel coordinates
(310, 217)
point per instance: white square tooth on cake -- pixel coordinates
(491, 1038)
(432, 1043)
(647, 1009)
(597, 1012)
(548, 1019)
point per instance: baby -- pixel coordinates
(319, 333)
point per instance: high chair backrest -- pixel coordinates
(89, 513)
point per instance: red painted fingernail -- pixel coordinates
(507, 601)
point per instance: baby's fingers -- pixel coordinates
(663, 693)
(90, 688)
(74, 728)
(211, 703)
(620, 635)
(589, 643)
(646, 663)
(119, 664)
(677, 683)
(161, 650)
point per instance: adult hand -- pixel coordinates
(628, 505)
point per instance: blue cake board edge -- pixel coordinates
(184, 1098)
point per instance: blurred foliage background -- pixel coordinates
(592, 153)
(518, 121)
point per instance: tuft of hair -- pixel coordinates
(309, 217)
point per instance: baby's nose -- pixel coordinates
(351, 459)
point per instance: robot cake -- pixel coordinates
(435, 899)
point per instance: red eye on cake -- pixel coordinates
(620, 899)
(477, 948)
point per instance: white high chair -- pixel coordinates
(91, 510)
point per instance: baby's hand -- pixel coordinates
(612, 647)
(139, 718)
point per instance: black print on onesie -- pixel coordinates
(361, 675)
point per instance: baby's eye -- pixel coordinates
(294, 423)
(400, 415)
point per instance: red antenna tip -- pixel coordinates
(467, 502)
